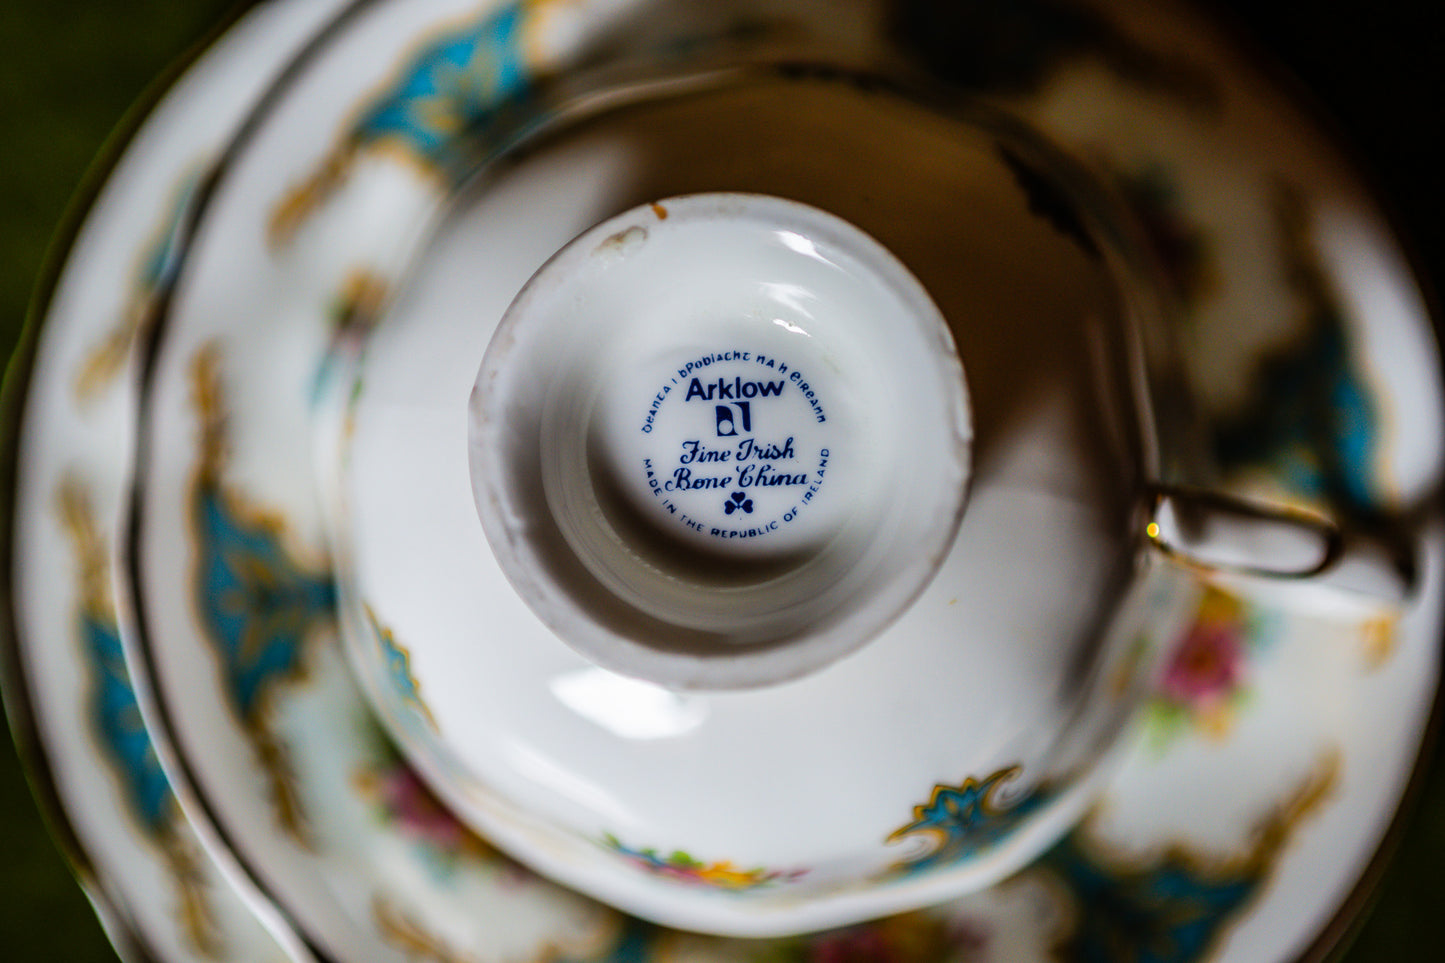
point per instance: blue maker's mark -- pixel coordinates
(738, 502)
(724, 390)
(728, 423)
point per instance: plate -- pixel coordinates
(1291, 749)
(163, 888)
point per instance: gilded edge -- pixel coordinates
(258, 606)
(119, 731)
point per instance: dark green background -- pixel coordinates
(70, 70)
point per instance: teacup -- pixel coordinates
(793, 546)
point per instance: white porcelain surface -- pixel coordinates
(1310, 731)
(1008, 638)
(750, 427)
(163, 887)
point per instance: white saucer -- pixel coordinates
(1251, 800)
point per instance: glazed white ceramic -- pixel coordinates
(164, 888)
(751, 429)
(1013, 633)
(614, 453)
(393, 899)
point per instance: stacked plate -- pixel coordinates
(174, 599)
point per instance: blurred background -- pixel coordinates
(71, 70)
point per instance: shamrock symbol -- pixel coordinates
(738, 500)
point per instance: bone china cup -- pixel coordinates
(750, 512)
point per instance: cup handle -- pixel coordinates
(1227, 534)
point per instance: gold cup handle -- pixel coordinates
(1232, 535)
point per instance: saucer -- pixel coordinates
(1260, 779)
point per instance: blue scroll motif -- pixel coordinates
(115, 714)
(1173, 908)
(435, 112)
(112, 706)
(1311, 417)
(1168, 912)
(124, 742)
(967, 819)
(450, 88)
(257, 605)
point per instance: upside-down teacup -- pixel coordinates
(793, 544)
